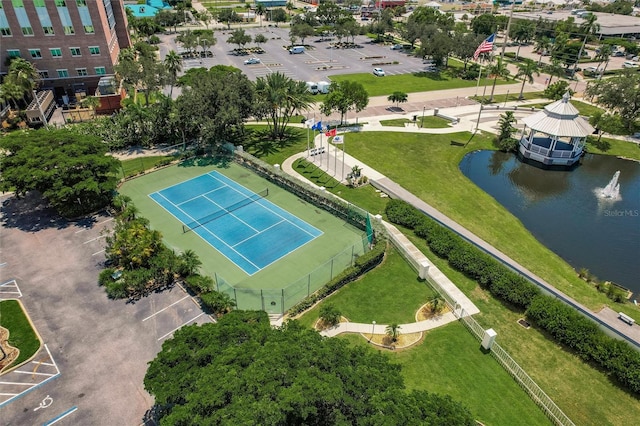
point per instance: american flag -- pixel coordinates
(485, 46)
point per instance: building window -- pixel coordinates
(63, 73)
(39, 3)
(68, 30)
(75, 51)
(81, 3)
(35, 53)
(94, 50)
(17, 3)
(88, 29)
(61, 3)
(43, 74)
(81, 71)
(28, 31)
(48, 30)
(13, 53)
(100, 70)
(56, 53)
(5, 31)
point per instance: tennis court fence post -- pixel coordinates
(215, 274)
(308, 285)
(262, 299)
(331, 274)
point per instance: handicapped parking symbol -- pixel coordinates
(46, 402)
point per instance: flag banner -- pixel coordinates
(317, 126)
(485, 47)
(337, 140)
(309, 123)
(331, 132)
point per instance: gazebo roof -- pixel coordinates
(559, 119)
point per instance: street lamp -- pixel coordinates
(422, 122)
(373, 329)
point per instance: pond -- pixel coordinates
(566, 212)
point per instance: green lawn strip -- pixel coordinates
(396, 122)
(612, 146)
(498, 98)
(365, 196)
(449, 361)
(434, 176)
(138, 165)
(21, 334)
(583, 392)
(433, 122)
(583, 108)
(410, 83)
(391, 293)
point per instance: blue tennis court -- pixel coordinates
(245, 227)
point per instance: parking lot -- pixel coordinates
(95, 350)
(317, 63)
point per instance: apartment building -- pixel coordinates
(72, 43)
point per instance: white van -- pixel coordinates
(312, 87)
(323, 86)
(296, 49)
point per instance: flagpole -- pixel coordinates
(343, 149)
(335, 158)
(477, 85)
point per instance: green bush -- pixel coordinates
(199, 284)
(217, 303)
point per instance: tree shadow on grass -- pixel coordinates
(260, 142)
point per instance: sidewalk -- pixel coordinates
(414, 327)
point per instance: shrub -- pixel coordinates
(199, 284)
(217, 303)
(330, 315)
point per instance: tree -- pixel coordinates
(499, 69)
(329, 314)
(397, 97)
(259, 39)
(217, 302)
(278, 98)
(24, 75)
(505, 131)
(242, 371)
(11, 93)
(603, 55)
(526, 69)
(522, 32)
(588, 27)
(239, 37)
(436, 305)
(484, 24)
(344, 96)
(91, 102)
(557, 90)
(393, 331)
(554, 70)
(260, 10)
(70, 169)
(189, 263)
(173, 65)
(302, 31)
(205, 17)
(229, 16)
(542, 46)
(620, 94)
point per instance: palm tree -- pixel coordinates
(604, 55)
(11, 93)
(173, 65)
(505, 125)
(397, 97)
(92, 102)
(189, 263)
(23, 74)
(436, 305)
(526, 69)
(588, 27)
(393, 331)
(543, 44)
(554, 69)
(499, 69)
(260, 10)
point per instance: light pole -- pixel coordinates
(422, 122)
(373, 329)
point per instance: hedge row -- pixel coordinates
(488, 272)
(363, 263)
(561, 321)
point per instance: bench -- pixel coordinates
(452, 119)
(626, 318)
(316, 151)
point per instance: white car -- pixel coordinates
(252, 61)
(378, 72)
(630, 64)
(397, 47)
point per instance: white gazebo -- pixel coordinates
(556, 135)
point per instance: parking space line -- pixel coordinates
(34, 373)
(60, 416)
(94, 239)
(81, 230)
(98, 252)
(16, 383)
(105, 221)
(182, 325)
(166, 307)
(8, 394)
(3, 264)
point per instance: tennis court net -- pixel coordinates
(213, 216)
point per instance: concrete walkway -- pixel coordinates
(333, 159)
(414, 327)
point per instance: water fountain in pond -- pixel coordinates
(612, 190)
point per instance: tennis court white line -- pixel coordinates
(167, 307)
(180, 326)
(198, 196)
(259, 232)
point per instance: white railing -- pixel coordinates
(538, 396)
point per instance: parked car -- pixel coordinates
(296, 49)
(618, 53)
(378, 72)
(397, 47)
(252, 61)
(630, 64)
(590, 70)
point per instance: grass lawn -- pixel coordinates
(612, 146)
(433, 122)
(449, 361)
(584, 393)
(409, 83)
(395, 122)
(392, 293)
(511, 97)
(138, 165)
(583, 108)
(21, 334)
